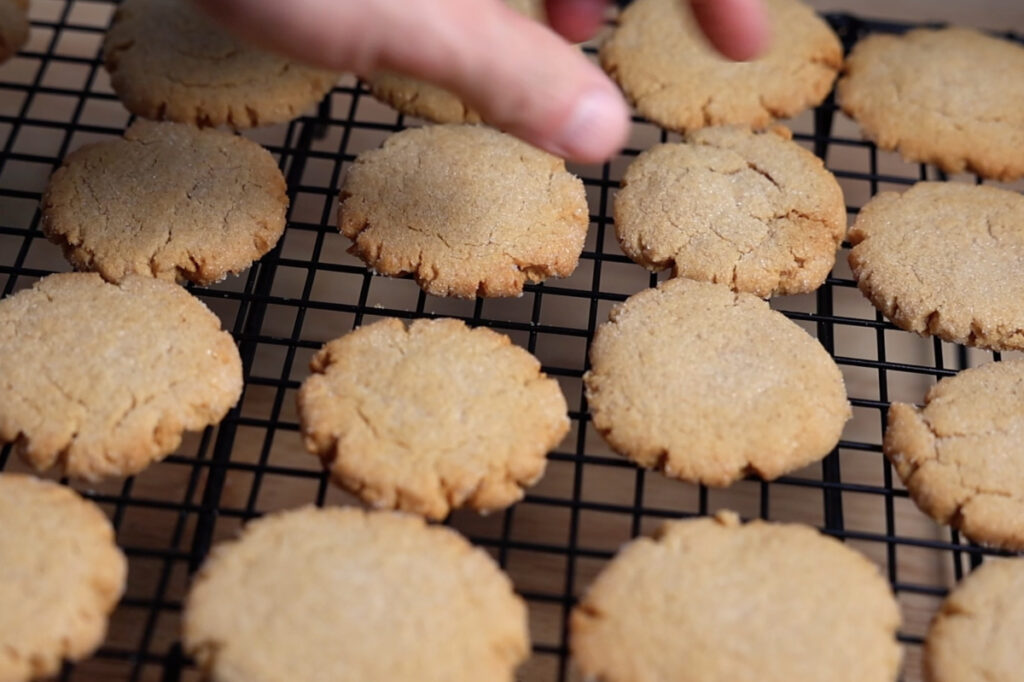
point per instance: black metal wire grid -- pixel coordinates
(55, 96)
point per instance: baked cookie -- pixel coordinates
(350, 596)
(168, 200)
(977, 632)
(962, 455)
(60, 576)
(945, 259)
(431, 417)
(713, 600)
(665, 66)
(922, 93)
(13, 27)
(707, 385)
(754, 211)
(102, 379)
(414, 97)
(469, 211)
(168, 61)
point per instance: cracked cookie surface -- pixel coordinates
(674, 78)
(945, 259)
(922, 94)
(707, 385)
(102, 379)
(14, 27)
(714, 600)
(977, 632)
(754, 211)
(351, 596)
(431, 417)
(169, 61)
(167, 200)
(468, 210)
(961, 457)
(60, 576)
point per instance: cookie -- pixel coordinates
(707, 385)
(953, 97)
(961, 456)
(977, 632)
(431, 417)
(713, 600)
(60, 576)
(168, 61)
(102, 379)
(666, 67)
(754, 211)
(945, 259)
(351, 596)
(415, 97)
(13, 27)
(168, 200)
(469, 211)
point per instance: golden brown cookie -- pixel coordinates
(713, 600)
(977, 632)
(353, 596)
(431, 417)
(13, 27)
(927, 95)
(102, 379)
(754, 211)
(168, 200)
(469, 211)
(665, 66)
(168, 61)
(945, 259)
(60, 576)
(962, 455)
(707, 385)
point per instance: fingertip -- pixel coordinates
(595, 129)
(576, 20)
(736, 28)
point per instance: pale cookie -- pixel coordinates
(977, 633)
(168, 61)
(13, 27)
(353, 596)
(962, 455)
(713, 600)
(707, 385)
(953, 97)
(673, 76)
(431, 417)
(168, 200)
(469, 211)
(754, 211)
(102, 379)
(945, 259)
(415, 97)
(60, 576)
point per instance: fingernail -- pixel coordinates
(596, 128)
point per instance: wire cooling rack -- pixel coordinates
(55, 97)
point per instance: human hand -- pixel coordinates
(522, 77)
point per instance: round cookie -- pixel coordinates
(961, 457)
(945, 259)
(13, 27)
(977, 632)
(665, 66)
(168, 200)
(431, 417)
(168, 61)
(102, 379)
(708, 386)
(754, 211)
(468, 210)
(713, 600)
(953, 97)
(60, 576)
(350, 596)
